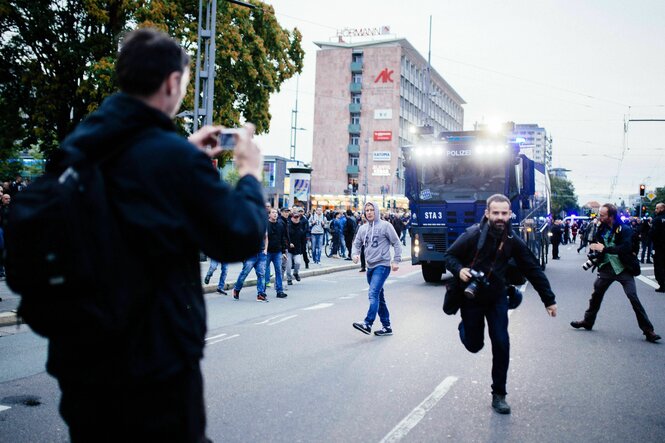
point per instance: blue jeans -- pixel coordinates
(472, 333)
(224, 270)
(258, 263)
(376, 277)
(317, 245)
(276, 259)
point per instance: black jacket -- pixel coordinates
(556, 231)
(657, 233)
(350, 228)
(277, 241)
(170, 205)
(481, 239)
(297, 233)
(623, 242)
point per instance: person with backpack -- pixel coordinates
(126, 350)
(616, 261)
(479, 260)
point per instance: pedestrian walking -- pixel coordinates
(645, 239)
(317, 223)
(377, 236)
(258, 263)
(614, 242)
(488, 247)
(224, 269)
(349, 231)
(144, 382)
(556, 231)
(297, 238)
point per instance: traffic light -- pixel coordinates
(642, 188)
(644, 209)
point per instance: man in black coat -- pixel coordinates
(146, 385)
(350, 228)
(488, 247)
(614, 242)
(556, 232)
(657, 238)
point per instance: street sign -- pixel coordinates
(651, 196)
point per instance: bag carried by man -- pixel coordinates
(64, 249)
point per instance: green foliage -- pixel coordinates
(59, 60)
(563, 196)
(651, 205)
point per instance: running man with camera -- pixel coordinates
(611, 252)
(487, 248)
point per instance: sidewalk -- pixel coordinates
(10, 301)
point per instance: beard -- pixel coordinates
(498, 225)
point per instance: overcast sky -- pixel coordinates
(576, 68)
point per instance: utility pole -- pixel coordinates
(204, 88)
(294, 124)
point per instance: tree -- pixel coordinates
(59, 59)
(563, 196)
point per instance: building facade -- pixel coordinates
(368, 97)
(539, 147)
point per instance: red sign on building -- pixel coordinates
(383, 136)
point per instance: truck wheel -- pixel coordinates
(432, 272)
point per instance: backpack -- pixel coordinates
(64, 250)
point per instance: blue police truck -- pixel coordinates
(447, 181)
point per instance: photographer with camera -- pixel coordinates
(487, 248)
(616, 262)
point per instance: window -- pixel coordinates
(357, 57)
(354, 140)
(355, 97)
(355, 119)
(357, 77)
(353, 161)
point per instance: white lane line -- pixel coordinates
(648, 281)
(646, 268)
(319, 306)
(365, 289)
(411, 420)
(409, 274)
(389, 282)
(346, 297)
(215, 336)
(268, 320)
(4, 408)
(283, 319)
(224, 339)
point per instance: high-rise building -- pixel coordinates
(370, 96)
(536, 144)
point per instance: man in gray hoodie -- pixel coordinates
(377, 236)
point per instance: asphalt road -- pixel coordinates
(295, 370)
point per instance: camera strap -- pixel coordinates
(489, 274)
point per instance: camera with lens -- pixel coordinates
(593, 260)
(228, 138)
(478, 281)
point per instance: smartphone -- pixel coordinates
(228, 138)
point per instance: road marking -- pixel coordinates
(648, 281)
(389, 282)
(283, 319)
(409, 274)
(268, 320)
(647, 268)
(4, 408)
(215, 336)
(224, 339)
(346, 297)
(319, 306)
(411, 420)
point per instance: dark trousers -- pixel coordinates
(362, 257)
(646, 248)
(472, 334)
(555, 249)
(603, 281)
(170, 410)
(349, 245)
(659, 267)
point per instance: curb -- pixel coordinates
(9, 319)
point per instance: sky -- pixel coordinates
(579, 69)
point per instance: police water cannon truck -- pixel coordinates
(447, 181)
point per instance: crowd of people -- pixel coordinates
(296, 238)
(7, 191)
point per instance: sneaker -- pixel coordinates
(261, 297)
(236, 294)
(268, 285)
(363, 327)
(362, 270)
(348, 259)
(281, 295)
(384, 331)
(581, 324)
(499, 404)
(652, 336)
(296, 276)
(221, 291)
(661, 289)
(206, 280)
(289, 282)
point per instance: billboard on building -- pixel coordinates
(383, 136)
